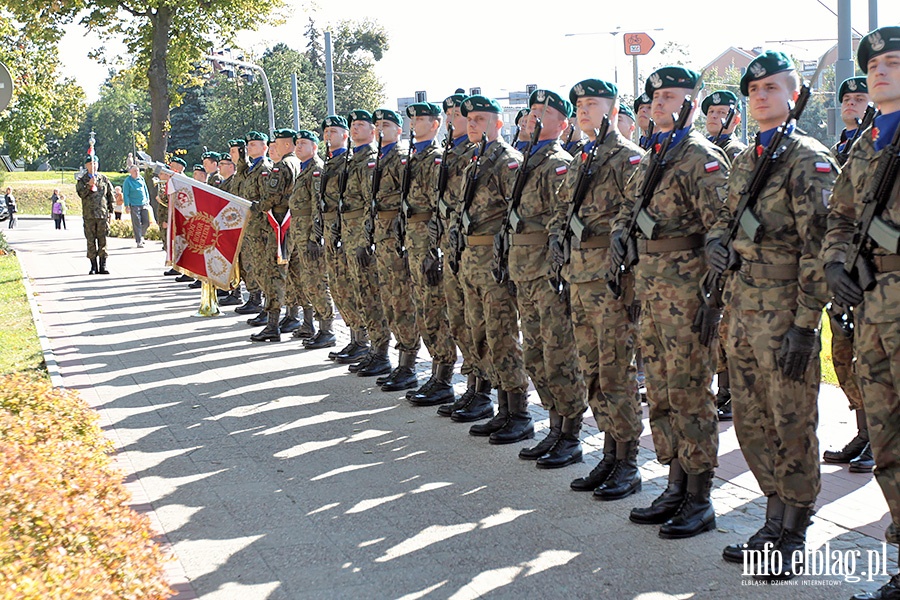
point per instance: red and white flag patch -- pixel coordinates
(562, 170)
(823, 167)
(513, 165)
(402, 161)
(635, 159)
(316, 173)
(438, 160)
(371, 164)
(711, 166)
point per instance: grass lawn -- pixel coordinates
(20, 351)
(33, 189)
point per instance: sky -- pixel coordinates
(502, 47)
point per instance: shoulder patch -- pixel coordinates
(823, 167)
(371, 164)
(513, 165)
(402, 161)
(316, 173)
(562, 170)
(711, 166)
(635, 159)
(438, 160)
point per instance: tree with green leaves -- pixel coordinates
(166, 38)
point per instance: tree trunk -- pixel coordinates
(158, 77)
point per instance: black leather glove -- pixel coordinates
(364, 257)
(800, 345)
(336, 229)
(557, 252)
(511, 288)
(719, 257)
(433, 268)
(845, 290)
(634, 312)
(706, 323)
(435, 229)
(621, 249)
(314, 250)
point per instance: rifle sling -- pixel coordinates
(353, 214)
(671, 244)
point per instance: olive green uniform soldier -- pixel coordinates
(96, 193)
(645, 124)
(548, 342)
(605, 327)
(877, 310)
(671, 263)
(853, 97)
(252, 173)
(490, 306)
(777, 295)
(211, 167)
(626, 122)
(390, 260)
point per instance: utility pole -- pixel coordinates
(295, 102)
(329, 75)
(843, 67)
(873, 15)
(265, 80)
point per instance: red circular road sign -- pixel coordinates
(637, 44)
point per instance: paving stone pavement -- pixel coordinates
(271, 473)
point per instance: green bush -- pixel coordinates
(124, 229)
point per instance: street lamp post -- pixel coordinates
(265, 81)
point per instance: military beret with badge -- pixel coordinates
(359, 115)
(522, 113)
(335, 121)
(551, 99)
(765, 65)
(213, 156)
(454, 100)
(624, 109)
(853, 85)
(875, 43)
(672, 77)
(386, 114)
(286, 134)
(306, 134)
(178, 161)
(237, 143)
(199, 168)
(257, 136)
(423, 109)
(592, 88)
(720, 98)
(479, 103)
(641, 101)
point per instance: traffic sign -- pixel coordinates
(6, 87)
(637, 44)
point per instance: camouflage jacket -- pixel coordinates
(457, 160)
(792, 211)
(304, 200)
(422, 196)
(392, 166)
(95, 203)
(358, 195)
(616, 161)
(547, 169)
(252, 181)
(214, 179)
(855, 180)
(280, 185)
(836, 148)
(686, 202)
(731, 146)
(227, 184)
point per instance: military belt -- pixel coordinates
(353, 213)
(330, 217)
(538, 238)
(671, 244)
(480, 240)
(887, 263)
(765, 271)
(419, 217)
(302, 213)
(388, 214)
(595, 241)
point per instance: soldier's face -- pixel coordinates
(362, 132)
(305, 149)
(256, 148)
(235, 156)
(715, 116)
(210, 166)
(90, 166)
(625, 125)
(590, 112)
(666, 102)
(553, 121)
(424, 127)
(479, 122)
(335, 136)
(884, 81)
(643, 116)
(200, 176)
(390, 131)
(226, 168)
(460, 123)
(284, 146)
(853, 106)
(768, 100)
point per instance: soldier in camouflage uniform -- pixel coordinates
(605, 328)
(391, 266)
(231, 183)
(877, 311)
(162, 205)
(777, 295)
(642, 106)
(854, 98)
(626, 122)
(671, 263)
(548, 342)
(96, 193)
(252, 173)
(475, 403)
(211, 167)
(490, 306)
(307, 278)
(336, 133)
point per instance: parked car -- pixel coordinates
(4, 214)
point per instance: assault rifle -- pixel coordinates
(463, 225)
(443, 179)
(403, 213)
(319, 221)
(342, 189)
(725, 124)
(373, 203)
(573, 226)
(861, 125)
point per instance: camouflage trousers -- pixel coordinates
(431, 311)
(95, 231)
(456, 317)
(272, 276)
(493, 323)
(397, 300)
(678, 371)
(878, 368)
(722, 354)
(364, 284)
(307, 283)
(606, 346)
(842, 359)
(339, 279)
(548, 348)
(775, 418)
(253, 250)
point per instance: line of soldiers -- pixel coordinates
(555, 261)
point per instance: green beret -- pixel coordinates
(178, 161)
(720, 98)
(214, 156)
(335, 121)
(551, 99)
(226, 158)
(455, 100)
(386, 114)
(90, 158)
(257, 136)
(765, 65)
(479, 104)
(671, 77)
(853, 85)
(359, 115)
(286, 134)
(624, 109)
(642, 100)
(593, 88)
(423, 109)
(199, 168)
(875, 43)
(306, 134)
(522, 113)
(237, 143)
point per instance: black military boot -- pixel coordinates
(567, 450)
(102, 268)
(195, 284)
(855, 446)
(252, 306)
(865, 462)
(290, 323)
(625, 478)
(358, 353)
(93, 270)
(479, 406)
(447, 409)
(519, 426)
(791, 544)
(496, 422)
(441, 391)
(423, 389)
(362, 362)
(184, 278)
(696, 513)
(349, 348)
(404, 376)
(233, 298)
(324, 338)
(601, 472)
(379, 363)
(271, 332)
(307, 329)
(769, 533)
(889, 591)
(667, 504)
(723, 397)
(546, 444)
(262, 319)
